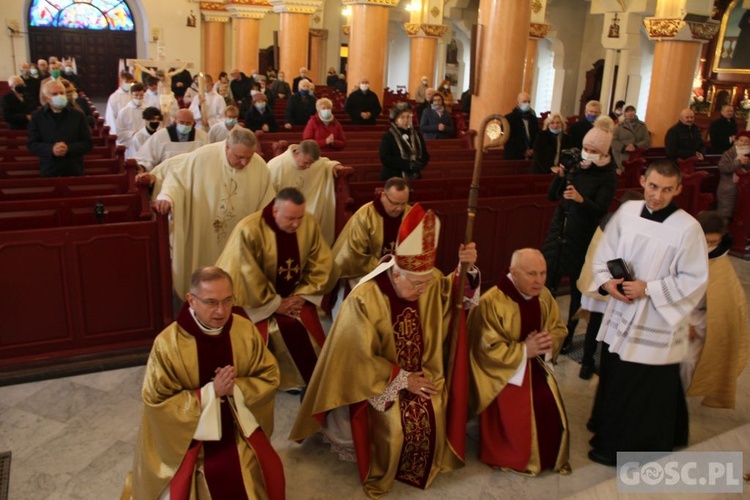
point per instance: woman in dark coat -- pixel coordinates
(548, 144)
(585, 197)
(403, 152)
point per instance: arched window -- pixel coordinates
(81, 14)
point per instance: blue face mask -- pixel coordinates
(184, 129)
(231, 122)
(59, 101)
(555, 131)
(261, 106)
(591, 118)
(524, 107)
(304, 92)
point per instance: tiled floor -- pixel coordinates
(73, 438)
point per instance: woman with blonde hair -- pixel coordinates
(549, 142)
(324, 128)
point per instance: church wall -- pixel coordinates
(399, 55)
(12, 11)
(180, 41)
(591, 51)
(268, 25)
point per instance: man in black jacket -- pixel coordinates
(362, 105)
(524, 126)
(300, 106)
(16, 106)
(579, 129)
(240, 85)
(723, 130)
(683, 140)
(59, 134)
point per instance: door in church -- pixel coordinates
(97, 54)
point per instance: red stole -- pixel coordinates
(417, 413)
(505, 426)
(289, 272)
(390, 227)
(221, 458)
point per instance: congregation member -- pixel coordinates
(130, 120)
(584, 195)
(617, 112)
(281, 266)
(419, 94)
(259, 116)
(223, 90)
(362, 105)
(683, 140)
(152, 121)
(436, 121)
(379, 390)
(43, 69)
(524, 127)
(208, 193)
(722, 130)
(263, 88)
(549, 143)
(332, 76)
(340, 85)
(59, 134)
(220, 131)
(180, 137)
(118, 100)
(403, 152)
(445, 90)
(719, 332)
(280, 87)
(369, 235)
(54, 73)
(324, 128)
(426, 103)
(17, 107)
(629, 135)
(68, 72)
(240, 85)
(514, 331)
(579, 129)
(33, 84)
(300, 106)
(735, 159)
(152, 98)
(213, 105)
(303, 72)
(301, 166)
(208, 404)
(640, 403)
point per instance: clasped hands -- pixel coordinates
(291, 306)
(538, 343)
(224, 381)
(59, 149)
(635, 289)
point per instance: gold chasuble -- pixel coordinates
(209, 197)
(268, 264)
(522, 427)
(724, 354)
(374, 337)
(237, 461)
(367, 236)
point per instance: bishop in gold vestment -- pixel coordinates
(281, 266)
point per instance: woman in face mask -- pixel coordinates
(734, 159)
(548, 144)
(259, 116)
(631, 134)
(324, 128)
(585, 191)
(403, 152)
(436, 121)
(445, 91)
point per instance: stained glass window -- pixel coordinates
(81, 14)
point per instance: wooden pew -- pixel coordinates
(740, 226)
(21, 142)
(66, 187)
(30, 169)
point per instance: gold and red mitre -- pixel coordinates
(416, 247)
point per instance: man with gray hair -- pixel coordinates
(302, 167)
(208, 192)
(363, 106)
(17, 106)
(180, 137)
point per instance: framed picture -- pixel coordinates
(719, 95)
(733, 45)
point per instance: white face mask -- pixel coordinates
(125, 87)
(590, 157)
(364, 87)
(325, 114)
(424, 82)
(153, 92)
(742, 150)
(136, 102)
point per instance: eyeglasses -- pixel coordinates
(395, 204)
(417, 285)
(213, 303)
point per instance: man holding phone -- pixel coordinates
(640, 403)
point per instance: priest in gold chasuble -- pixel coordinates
(281, 266)
(523, 424)
(383, 367)
(208, 401)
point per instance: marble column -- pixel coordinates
(505, 31)
(294, 33)
(246, 17)
(424, 45)
(317, 55)
(368, 42)
(675, 57)
(529, 65)
(215, 19)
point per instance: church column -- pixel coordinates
(424, 30)
(368, 42)
(529, 65)
(675, 57)
(505, 30)
(294, 34)
(623, 68)
(317, 55)
(246, 16)
(215, 18)
(537, 31)
(608, 80)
